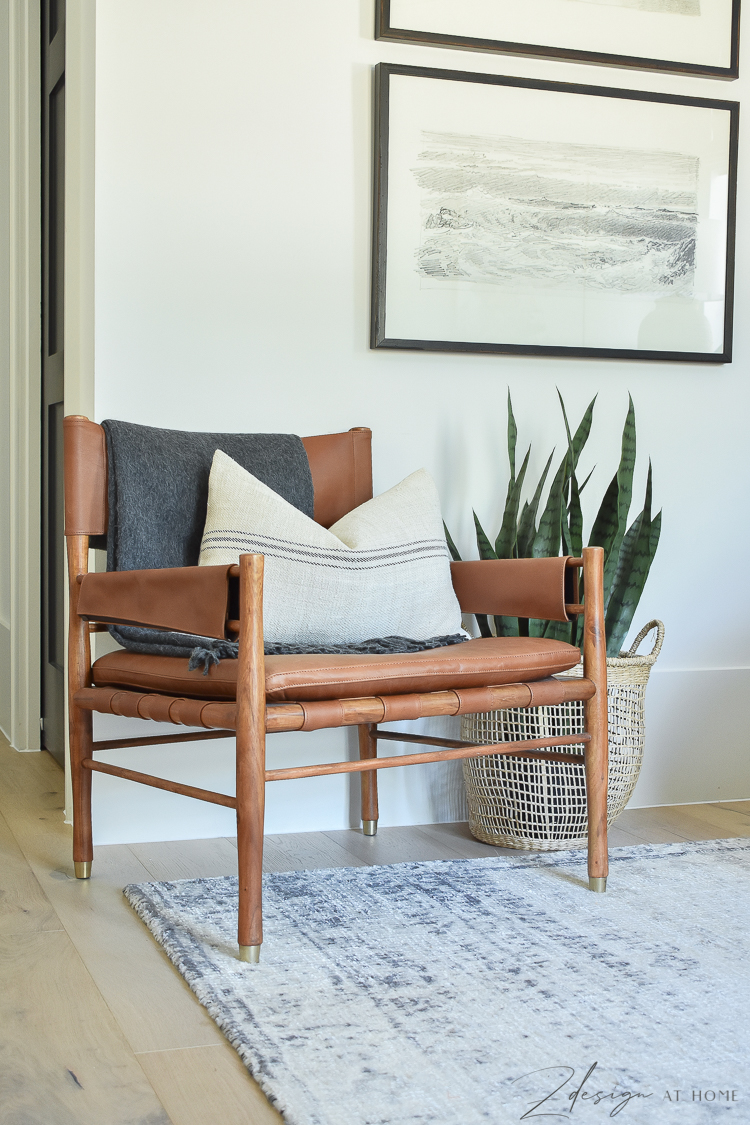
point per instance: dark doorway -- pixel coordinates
(53, 276)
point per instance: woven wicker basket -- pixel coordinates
(541, 806)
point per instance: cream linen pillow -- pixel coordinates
(383, 570)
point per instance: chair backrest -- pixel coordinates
(341, 467)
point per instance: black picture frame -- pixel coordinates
(380, 337)
(384, 29)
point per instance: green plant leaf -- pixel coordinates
(572, 528)
(627, 466)
(623, 574)
(483, 622)
(605, 525)
(565, 534)
(588, 478)
(577, 443)
(485, 548)
(558, 631)
(575, 519)
(547, 538)
(512, 436)
(655, 534)
(624, 497)
(451, 545)
(635, 558)
(527, 523)
(485, 552)
(506, 626)
(506, 541)
(584, 429)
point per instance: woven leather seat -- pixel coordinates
(480, 663)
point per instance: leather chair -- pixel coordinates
(257, 695)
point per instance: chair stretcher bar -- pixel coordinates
(527, 748)
(318, 714)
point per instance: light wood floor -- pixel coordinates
(96, 1027)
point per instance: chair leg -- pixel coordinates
(251, 759)
(81, 738)
(251, 791)
(597, 750)
(597, 769)
(368, 748)
(80, 722)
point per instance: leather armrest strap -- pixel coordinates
(512, 587)
(189, 599)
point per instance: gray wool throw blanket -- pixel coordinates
(158, 494)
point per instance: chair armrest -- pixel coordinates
(189, 599)
(515, 587)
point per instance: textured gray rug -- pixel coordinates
(482, 991)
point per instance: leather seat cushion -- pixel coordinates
(479, 663)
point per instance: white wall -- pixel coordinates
(233, 196)
(4, 373)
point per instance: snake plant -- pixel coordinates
(628, 551)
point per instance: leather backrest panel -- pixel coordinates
(512, 587)
(85, 452)
(341, 467)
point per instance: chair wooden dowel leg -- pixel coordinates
(80, 722)
(80, 748)
(250, 817)
(596, 753)
(251, 759)
(597, 769)
(368, 748)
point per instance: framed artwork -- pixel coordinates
(545, 218)
(687, 36)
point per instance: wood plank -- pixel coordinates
(24, 907)
(459, 839)
(64, 1059)
(187, 859)
(646, 830)
(392, 845)
(308, 851)
(205, 1084)
(620, 838)
(727, 822)
(666, 824)
(151, 1002)
(735, 806)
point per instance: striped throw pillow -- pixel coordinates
(383, 570)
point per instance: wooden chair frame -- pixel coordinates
(251, 717)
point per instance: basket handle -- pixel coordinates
(655, 624)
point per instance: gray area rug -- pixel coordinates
(483, 991)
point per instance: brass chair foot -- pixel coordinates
(82, 869)
(597, 884)
(250, 953)
(370, 827)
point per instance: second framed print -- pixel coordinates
(531, 217)
(686, 36)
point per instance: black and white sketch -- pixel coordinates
(501, 209)
(668, 7)
(698, 37)
(527, 217)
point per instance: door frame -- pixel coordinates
(25, 314)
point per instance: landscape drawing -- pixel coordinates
(501, 209)
(667, 7)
